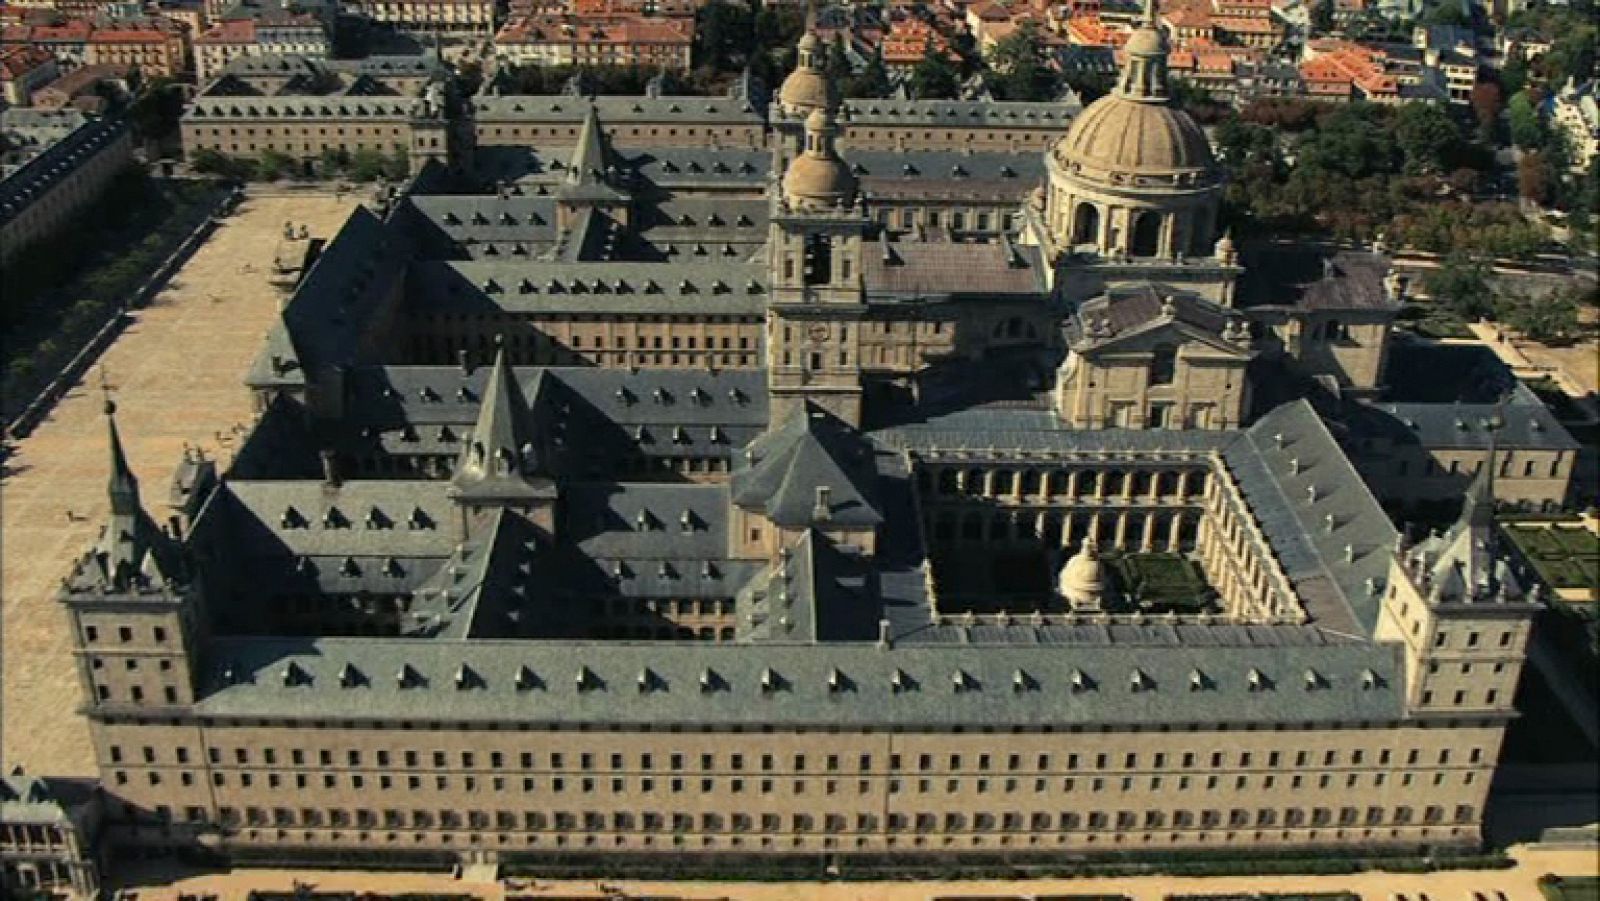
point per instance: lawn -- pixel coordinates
(1566, 557)
(1161, 582)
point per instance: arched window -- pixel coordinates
(1146, 235)
(1163, 364)
(1086, 224)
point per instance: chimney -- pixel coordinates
(330, 466)
(824, 509)
(884, 641)
(464, 358)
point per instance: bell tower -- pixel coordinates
(819, 227)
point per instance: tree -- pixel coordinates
(155, 113)
(1486, 105)
(1448, 13)
(1534, 178)
(1322, 17)
(1353, 140)
(1461, 285)
(1552, 319)
(723, 35)
(873, 81)
(1427, 137)
(934, 78)
(273, 165)
(211, 162)
(837, 67)
(366, 164)
(333, 160)
(1018, 62)
(1526, 129)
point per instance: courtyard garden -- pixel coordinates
(1160, 583)
(1566, 557)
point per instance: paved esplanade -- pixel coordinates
(177, 376)
(1517, 884)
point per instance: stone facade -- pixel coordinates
(665, 500)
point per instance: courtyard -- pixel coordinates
(176, 374)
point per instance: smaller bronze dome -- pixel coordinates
(807, 88)
(818, 178)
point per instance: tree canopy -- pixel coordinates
(934, 77)
(1019, 66)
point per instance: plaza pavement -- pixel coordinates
(1516, 884)
(177, 376)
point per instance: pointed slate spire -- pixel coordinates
(589, 158)
(500, 453)
(1477, 511)
(124, 487)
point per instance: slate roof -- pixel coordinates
(1132, 309)
(950, 270)
(1523, 422)
(816, 592)
(326, 321)
(54, 144)
(1326, 529)
(427, 410)
(946, 174)
(707, 285)
(783, 473)
(615, 110)
(1314, 279)
(368, 108)
(498, 456)
(845, 684)
(867, 113)
(1038, 431)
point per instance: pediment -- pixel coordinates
(1144, 339)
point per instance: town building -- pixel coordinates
(305, 108)
(55, 164)
(428, 17)
(650, 41)
(1574, 111)
(301, 35)
(89, 89)
(671, 497)
(158, 47)
(24, 69)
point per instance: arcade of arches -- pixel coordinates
(1011, 511)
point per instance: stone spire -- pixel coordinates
(589, 161)
(1477, 511)
(500, 449)
(1144, 71)
(124, 487)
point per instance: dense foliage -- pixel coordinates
(364, 164)
(76, 280)
(1359, 171)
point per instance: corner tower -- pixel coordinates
(818, 228)
(1461, 614)
(134, 609)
